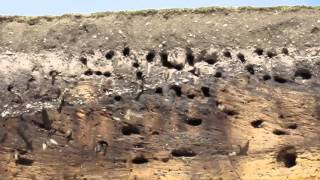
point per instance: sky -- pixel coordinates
(59, 7)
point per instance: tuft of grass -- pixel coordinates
(165, 12)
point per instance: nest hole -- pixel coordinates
(303, 73)
(230, 112)
(10, 87)
(98, 73)
(287, 156)
(140, 160)
(266, 77)
(292, 126)
(53, 73)
(110, 54)
(190, 57)
(191, 96)
(83, 60)
(279, 132)
(257, 123)
(315, 30)
(250, 69)
(193, 121)
(259, 51)
(130, 129)
(271, 54)
(206, 91)
(164, 59)
(135, 65)
(150, 56)
(218, 74)
(159, 90)
(139, 75)
(177, 90)
(227, 54)
(107, 74)
(24, 161)
(279, 79)
(183, 152)
(126, 51)
(117, 98)
(285, 51)
(101, 147)
(211, 59)
(241, 57)
(88, 72)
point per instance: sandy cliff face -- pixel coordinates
(203, 94)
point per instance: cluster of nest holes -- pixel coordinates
(257, 123)
(190, 58)
(130, 129)
(303, 73)
(90, 72)
(270, 53)
(280, 132)
(193, 121)
(183, 152)
(140, 159)
(287, 156)
(177, 90)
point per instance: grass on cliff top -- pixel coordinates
(205, 10)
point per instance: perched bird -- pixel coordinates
(244, 149)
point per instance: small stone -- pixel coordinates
(44, 146)
(52, 141)
(116, 118)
